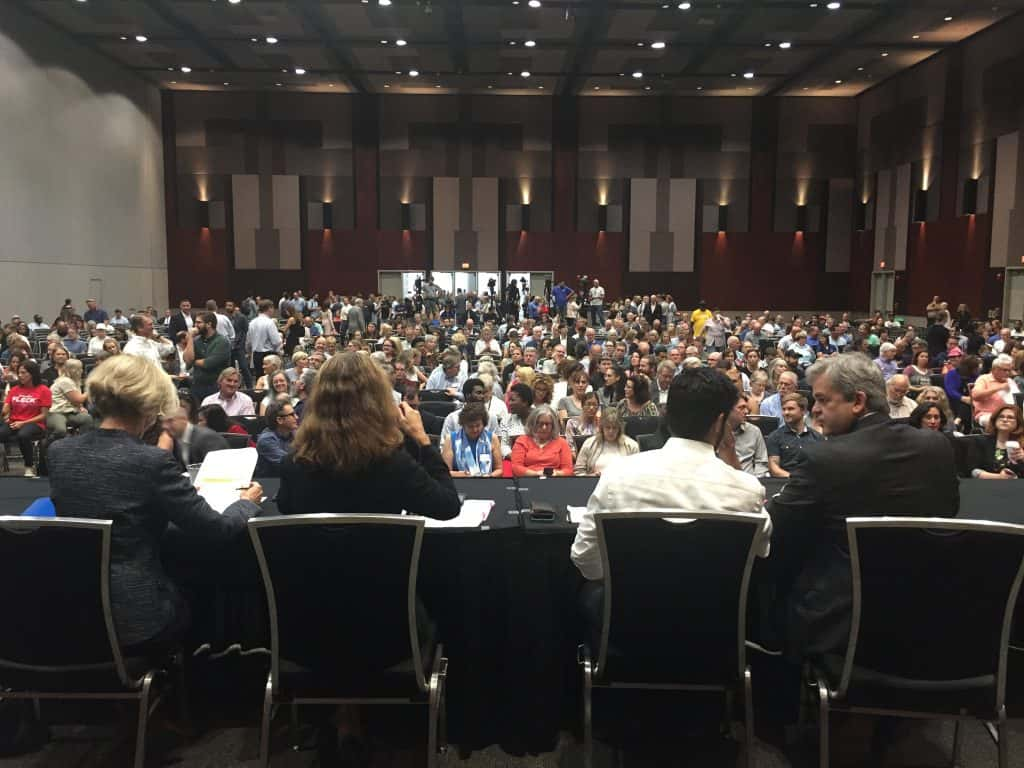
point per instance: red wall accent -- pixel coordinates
(598, 254)
(948, 257)
(197, 265)
(347, 261)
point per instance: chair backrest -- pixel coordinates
(676, 592)
(56, 599)
(635, 426)
(437, 407)
(933, 598)
(234, 440)
(339, 585)
(767, 424)
(967, 452)
(430, 395)
(580, 440)
(253, 424)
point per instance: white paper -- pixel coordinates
(576, 514)
(471, 515)
(223, 473)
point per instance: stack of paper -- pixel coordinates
(222, 475)
(472, 515)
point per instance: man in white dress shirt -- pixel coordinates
(144, 342)
(684, 475)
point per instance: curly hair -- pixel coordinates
(350, 420)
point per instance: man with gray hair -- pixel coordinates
(868, 465)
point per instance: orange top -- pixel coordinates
(527, 455)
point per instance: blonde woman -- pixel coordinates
(68, 407)
(758, 391)
(605, 446)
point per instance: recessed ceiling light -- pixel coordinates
(534, 3)
(285, 70)
(597, 87)
(639, 45)
(530, 43)
(839, 82)
(234, 2)
(509, 74)
(860, 69)
(173, 82)
(647, 87)
(186, 70)
(515, 2)
(622, 74)
(638, 75)
(748, 75)
(884, 54)
(732, 74)
(383, 42)
(278, 84)
(300, 71)
(387, 85)
(785, 46)
(665, 5)
(540, 87)
(834, 6)
(700, 87)
(513, 42)
(230, 83)
(524, 73)
(271, 40)
(948, 18)
(414, 73)
(805, 88)
(330, 85)
(684, 6)
(490, 87)
(814, 5)
(658, 45)
(170, 69)
(438, 85)
(400, 42)
(398, 71)
(915, 37)
(124, 37)
(141, 38)
(384, 3)
(254, 39)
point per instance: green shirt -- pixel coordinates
(215, 352)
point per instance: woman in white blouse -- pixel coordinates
(606, 446)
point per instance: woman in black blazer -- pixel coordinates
(357, 452)
(140, 488)
(1000, 456)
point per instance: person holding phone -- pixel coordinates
(541, 452)
(1000, 455)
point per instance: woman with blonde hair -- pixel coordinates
(356, 452)
(142, 492)
(69, 401)
(605, 446)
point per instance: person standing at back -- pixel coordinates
(867, 466)
(209, 353)
(263, 338)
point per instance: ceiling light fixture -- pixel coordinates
(534, 3)
(387, 85)
(834, 6)
(524, 73)
(384, 3)
(884, 54)
(254, 39)
(438, 85)
(414, 73)
(684, 6)
(513, 42)
(748, 75)
(300, 71)
(230, 83)
(400, 43)
(860, 69)
(647, 87)
(658, 45)
(785, 46)
(234, 2)
(915, 37)
(141, 38)
(186, 70)
(948, 18)
(639, 45)
(700, 87)
(383, 42)
(278, 84)
(638, 75)
(839, 82)
(530, 43)
(597, 87)
(173, 82)
(124, 37)
(271, 41)
(540, 87)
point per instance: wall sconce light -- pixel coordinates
(406, 215)
(204, 214)
(602, 217)
(524, 222)
(328, 216)
(465, 265)
(921, 205)
(801, 218)
(970, 197)
(723, 218)
(860, 217)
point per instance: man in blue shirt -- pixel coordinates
(447, 377)
(562, 294)
(772, 406)
(786, 444)
(73, 344)
(94, 314)
(275, 441)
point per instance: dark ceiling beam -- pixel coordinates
(883, 15)
(585, 45)
(637, 5)
(722, 34)
(314, 16)
(190, 33)
(456, 35)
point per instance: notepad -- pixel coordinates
(471, 515)
(223, 473)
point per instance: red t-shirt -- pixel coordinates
(27, 402)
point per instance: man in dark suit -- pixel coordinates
(867, 466)
(182, 320)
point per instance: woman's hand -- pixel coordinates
(253, 493)
(1017, 455)
(411, 423)
(1007, 474)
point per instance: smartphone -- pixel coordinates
(548, 471)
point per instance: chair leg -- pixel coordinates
(1004, 745)
(184, 713)
(748, 715)
(268, 701)
(140, 734)
(587, 668)
(433, 709)
(958, 743)
(822, 724)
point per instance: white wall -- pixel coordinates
(81, 176)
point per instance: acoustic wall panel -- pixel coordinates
(643, 194)
(286, 223)
(840, 225)
(901, 216)
(1004, 207)
(485, 223)
(245, 196)
(683, 223)
(892, 218)
(662, 225)
(446, 221)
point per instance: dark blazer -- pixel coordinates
(879, 469)
(177, 324)
(413, 478)
(986, 457)
(204, 440)
(139, 487)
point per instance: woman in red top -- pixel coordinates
(541, 451)
(24, 413)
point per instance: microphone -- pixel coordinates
(518, 495)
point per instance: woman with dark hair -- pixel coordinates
(636, 400)
(214, 417)
(614, 388)
(928, 416)
(24, 413)
(918, 371)
(543, 388)
(958, 383)
(572, 404)
(1000, 455)
(473, 450)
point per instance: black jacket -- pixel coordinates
(881, 468)
(177, 324)
(413, 478)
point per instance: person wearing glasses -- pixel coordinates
(276, 440)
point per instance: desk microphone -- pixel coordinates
(518, 495)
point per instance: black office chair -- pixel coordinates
(580, 440)
(430, 395)
(767, 424)
(61, 641)
(967, 450)
(438, 407)
(658, 631)
(937, 379)
(253, 424)
(933, 603)
(634, 426)
(234, 440)
(340, 590)
(651, 442)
